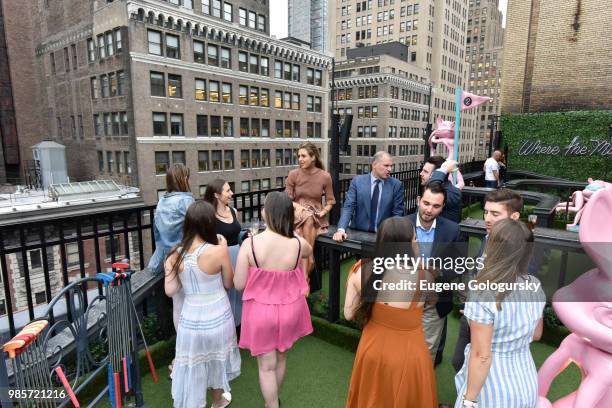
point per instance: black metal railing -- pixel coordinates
(39, 258)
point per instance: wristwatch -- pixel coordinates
(468, 403)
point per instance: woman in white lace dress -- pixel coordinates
(206, 352)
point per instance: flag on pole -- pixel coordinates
(469, 100)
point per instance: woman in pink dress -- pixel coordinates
(274, 310)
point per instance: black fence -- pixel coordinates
(39, 258)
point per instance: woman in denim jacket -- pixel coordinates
(168, 225)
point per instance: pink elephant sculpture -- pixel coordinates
(579, 199)
(444, 134)
(585, 307)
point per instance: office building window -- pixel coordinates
(215, 126)
(265, 127)
(108, 126)
(173, 49)
(198, 52)
(213, 55)
(295, 101)
(202, 125)
(175, 88)
(245, 186)
(278, 154)
(91, 50)
(109, 44)
(278, 69)
(242, 17)
(228, 12)
(228, 160)
(286, 100)
(120, 83)
(158, 86)
(254, 127)
(287, 71)
(101, 47)
(279, 128)
(216, 8)
(265, 159)
(254, 96)
(255, 158)
(118, 42)
(112, 79)
(217, 164)
(178, 157)
(213, 91)
(244, 127)
(162, 160)
(116, 124)
(226, 58)
(203, 160)
(228, 126)
(310, 76)
(73, 50)
(264, 97)
(243, 95)
(296, 129)
(243, 64)
(227, 92)
(295, 70)
(98, 130)
(176, 124)
(95, 92)
(155, 44)
(200, 90)
(254, 64)
(124, 123)
(278, 99)
(100, 161)
(105, 86)
(317, 104)
(206, 6)
(252, 19)
(160, 126)
(245, 159)
(264, 66)
(261, 22)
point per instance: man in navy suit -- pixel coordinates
(371, 198)
(436, 169)
(437, 237)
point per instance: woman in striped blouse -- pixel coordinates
(499, 371)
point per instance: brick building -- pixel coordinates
(131, 86)
(560, 56)
(483, 57)
(389, 100)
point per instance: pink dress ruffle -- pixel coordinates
(274, 310)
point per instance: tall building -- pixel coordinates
(560, 53)
(483, 57)
(130, 87)
(307, 21)
(434, 31)
(389, 100)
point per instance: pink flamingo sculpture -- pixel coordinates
(444, 134)
(579, 199)
(585, 306)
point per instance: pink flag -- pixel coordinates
(469, 101)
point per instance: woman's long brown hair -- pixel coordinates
(313, 151)
(200, 221)
(177, 178)
(508, 252)
(394, 231)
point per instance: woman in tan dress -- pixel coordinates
(393, 367)
(305, 186)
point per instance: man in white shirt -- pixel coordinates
(491, 169)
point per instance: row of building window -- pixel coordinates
(218, 56)
(214, 91)
(217, 126)
(108, 85)
(106, 45)
(76, 127)
(218, 160)
(110, 124)
(114, 162)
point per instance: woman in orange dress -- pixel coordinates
(393, 367)
(306, 185)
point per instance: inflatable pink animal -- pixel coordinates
(444, 134)
(585, 307)
(579, 199)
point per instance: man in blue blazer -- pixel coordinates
(438, 237)
(436, 168)
(371, 198)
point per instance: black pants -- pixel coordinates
(462, 340)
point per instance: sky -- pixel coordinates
(278, 16)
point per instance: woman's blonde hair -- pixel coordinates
(313, 151)
(177, 178)
(508, 252)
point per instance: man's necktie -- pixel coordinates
(374, 206)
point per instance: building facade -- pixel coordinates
(560, 53)
(435, 32)
(484, 57)
(132, 86)
(307, 21)
(389, 100)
